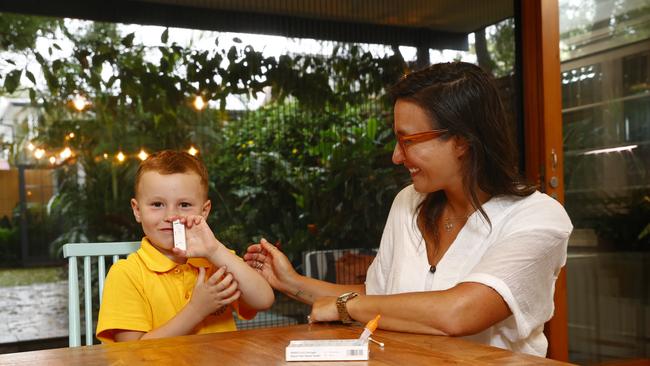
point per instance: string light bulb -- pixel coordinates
(120, 157)
(52, 160)
(192, 151)
(31, 147)
(66, 153)
(199, 103)
(143, 155)
(79, 102)
(39, 153)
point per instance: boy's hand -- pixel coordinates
(200, 240)
(218, 291)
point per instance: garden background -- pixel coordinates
(309, 167)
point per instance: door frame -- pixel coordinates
(542, 116)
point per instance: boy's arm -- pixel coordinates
(255, 291)
(208, 296)
(182, 324)
(201, 242)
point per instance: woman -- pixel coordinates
(468, 249)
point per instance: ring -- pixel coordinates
(259, 265)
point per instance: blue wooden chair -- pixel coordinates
(88, 250)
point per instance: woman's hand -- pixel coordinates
(324, 310)
(274, 266)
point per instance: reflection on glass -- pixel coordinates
(605, 52)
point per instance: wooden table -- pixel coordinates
(266, 347)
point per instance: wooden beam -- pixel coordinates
(542, 109)
(286, 25)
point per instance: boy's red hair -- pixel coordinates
(172, 162)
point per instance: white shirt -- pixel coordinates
(520, 258)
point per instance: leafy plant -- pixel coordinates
(306, 180)
(310, 169)
(9, 246)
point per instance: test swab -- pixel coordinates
(179, 235)
(380, 344)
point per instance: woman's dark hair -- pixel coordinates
(463, 99)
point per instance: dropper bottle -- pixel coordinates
(369, 328)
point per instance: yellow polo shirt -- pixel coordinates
(146, 290)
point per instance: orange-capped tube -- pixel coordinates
(369, 328)
(372, 324)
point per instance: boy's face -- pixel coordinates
(163, 195)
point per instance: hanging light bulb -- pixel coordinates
(79, 102)
(143, 155)
(199, 103)
(71, 135)
(31, 147)
(52, 160)
(105, 156)
(120, 157)
(66, 153)
(192, 151)
(39, 153)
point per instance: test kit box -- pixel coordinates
(327, 350)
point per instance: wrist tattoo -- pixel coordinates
(303, 294)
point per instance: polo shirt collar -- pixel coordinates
(158, 262)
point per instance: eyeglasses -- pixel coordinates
(405, 141)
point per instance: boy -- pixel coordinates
(157, 292)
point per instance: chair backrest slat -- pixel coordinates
(88, 250)
(101, 273)
(88, 293)
(74, 323)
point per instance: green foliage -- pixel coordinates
(502, 47)
(310, 169)
(9, 246)
(28, 276)
(19, 32)
(304, 179)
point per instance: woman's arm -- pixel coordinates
(308, 290)
(465, 309)
(280, 274)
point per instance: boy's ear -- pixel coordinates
(136, 209)
(205, 210)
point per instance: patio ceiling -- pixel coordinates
(420, 23)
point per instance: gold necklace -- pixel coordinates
(449, 225)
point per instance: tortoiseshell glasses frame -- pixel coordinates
(405, 141)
